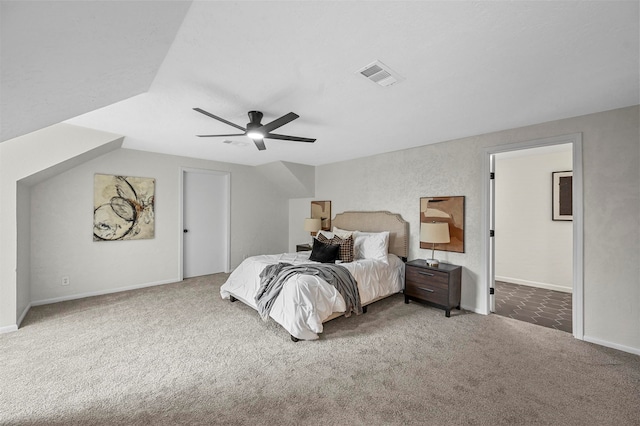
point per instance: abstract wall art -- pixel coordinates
(445, 209)
(123, 208)
(322, 210)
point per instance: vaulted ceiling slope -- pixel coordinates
(469, 68)
(60, 59)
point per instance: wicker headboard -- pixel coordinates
(377, 222)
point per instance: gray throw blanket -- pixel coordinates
(273, 277)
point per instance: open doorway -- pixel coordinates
(489, 224)
(533, 245)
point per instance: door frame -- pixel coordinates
(227, 218)
(488, 253)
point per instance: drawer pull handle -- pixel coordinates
(426, 289)
(425, 273)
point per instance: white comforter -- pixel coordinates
(305, 300)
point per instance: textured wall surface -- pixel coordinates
(611, 167)
(61, 223)
(47, 150)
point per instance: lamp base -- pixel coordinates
(434, 263)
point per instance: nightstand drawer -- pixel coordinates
(428, 276)
(303, 247)
(427, 292)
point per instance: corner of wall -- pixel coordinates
(24, 161)
(296, 180)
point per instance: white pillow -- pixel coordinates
(342, 233)
(371, 245)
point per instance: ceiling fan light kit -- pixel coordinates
(255, 135)
(258, 131)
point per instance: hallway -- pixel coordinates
(547, 308)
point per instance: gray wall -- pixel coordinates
(611, 166)
(61, 223)
(23, 209)
(25, 161)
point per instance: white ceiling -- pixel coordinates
(469, 68)
(60, 59)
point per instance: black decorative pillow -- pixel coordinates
(325, 253)
(345, 254)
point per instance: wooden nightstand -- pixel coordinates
(303, 247)
(438, 286)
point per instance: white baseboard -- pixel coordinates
(8, 328)
(12, 328)
(100, 292)
(535, 284)
(24, 314)
(473, 309)
(617, 346)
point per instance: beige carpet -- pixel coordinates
(178, 354)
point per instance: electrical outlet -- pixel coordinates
(65, 281)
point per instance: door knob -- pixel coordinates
(185, 230)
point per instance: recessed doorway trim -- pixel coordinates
(578, 231)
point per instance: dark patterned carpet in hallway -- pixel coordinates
(547, 308)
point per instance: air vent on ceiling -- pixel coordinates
(380, 74)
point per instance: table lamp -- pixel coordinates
(434, 233)
(313, 226)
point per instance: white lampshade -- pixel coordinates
(312, 225)
(434, 232)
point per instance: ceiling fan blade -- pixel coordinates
(278, 122)
(260, 144)
(219, 136)
(288, 138)
(219, 119)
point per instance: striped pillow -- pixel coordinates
(346, 246)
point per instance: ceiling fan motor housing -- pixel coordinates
(254, 117)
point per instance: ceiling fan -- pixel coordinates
(257, 131)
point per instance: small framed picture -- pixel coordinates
(562, 191)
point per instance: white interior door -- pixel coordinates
(205, 223)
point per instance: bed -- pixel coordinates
(305, 302)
